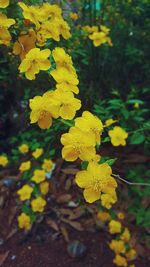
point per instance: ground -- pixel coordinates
(46, 244)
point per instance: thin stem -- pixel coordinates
(130, 183)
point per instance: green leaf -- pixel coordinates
(84, 165)
(110, 162)
(26, 209)
(137, 138)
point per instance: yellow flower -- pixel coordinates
(95, 180)
(4, 3)
(6, 22)
(37, 153)
(98, 38)
(38, 176)
(25, 166)
(43, 109)
(103, 216)
(25, 192)
(38, 204)
(31, 13)
(90, 29)
(51, 11)
(49, 30)
(24, 44)
(24, 221)
(44, 187)
(136, 105)
(118, 136)
(109, 122)
(62, 59)
(120, 261)
(24, 148)
(117, 246)
(107, 200)
(131, 254)
(73, 16)
(125, 235)
(47, 165)
(64, 28)
(34, 61)
(90, 123)
(3, 161)
(120, 215)
(104, 29)
(66, 79)
(114, 227)
(5, 36)
(78, 144)
(65, 104)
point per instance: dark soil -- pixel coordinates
(44, 247)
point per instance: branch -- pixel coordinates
(130, 183)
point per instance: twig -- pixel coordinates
(130, 183)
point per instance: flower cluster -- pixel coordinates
(61, 101)
(6, 23)
(48, 22)
(36, 186)
(80, 142)
(121, 245)
(117, 135)
(98, 35)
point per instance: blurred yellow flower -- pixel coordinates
(47, 165)
(3, 160)
(96, 180)
(25, 166)
(38, 176)
(90, 123)
(24, 221)
(73, 16)
(118, 136)
(62, 59)
(136, 105)
(24, 148)
(44, 188)
(131, 254)
(109, 122)
(120, 215)
(118, 246)
(24, 44)
(98, 38)
(37, 153)
(103, 216)
(125, 235)
(120, 261)
(5, 36)
(31, 13)
(114, 227)
(6, 22)
(4, 3)
(34, 61)
(38, 204)
(107, 200)
(104, 29)
(25, 192)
